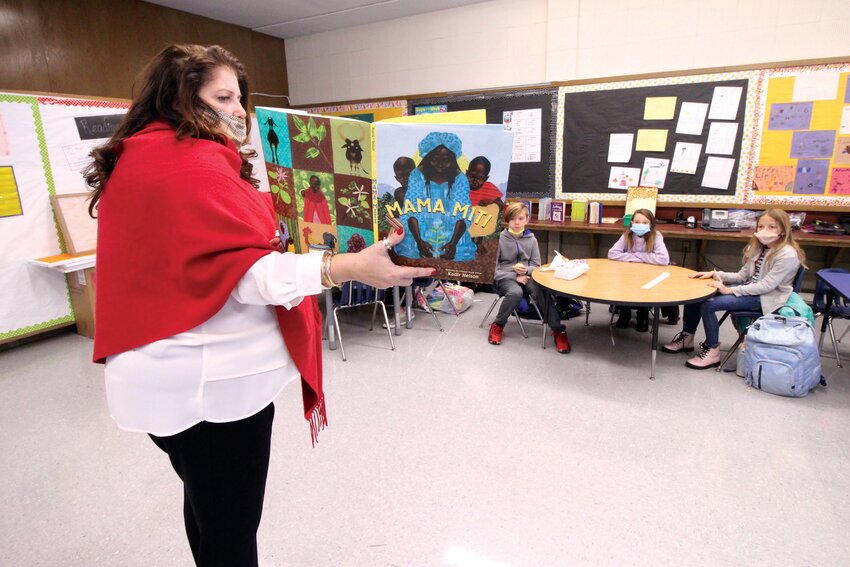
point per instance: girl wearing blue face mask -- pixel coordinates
(640, 243)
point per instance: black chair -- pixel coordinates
(839, 308)
(739, 318)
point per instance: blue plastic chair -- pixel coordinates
(840, 308)
(743, 319)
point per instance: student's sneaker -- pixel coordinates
(562, 343)
(673, 318)
(708, 357)
(683, 342)
(495, 337)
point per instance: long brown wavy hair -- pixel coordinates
(169, 89)
(786, 238)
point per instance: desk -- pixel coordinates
(79, 272)
(621, 283)
(837, 284)
(838, 243)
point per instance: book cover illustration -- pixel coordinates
(321, 186)
(447, 186)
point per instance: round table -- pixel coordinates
(622, 283)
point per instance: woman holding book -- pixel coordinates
(203, 325)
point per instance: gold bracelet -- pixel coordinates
(327, 280)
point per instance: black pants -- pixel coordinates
(223, 467)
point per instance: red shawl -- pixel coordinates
(315, 205)
(487, 192)
(177, 230)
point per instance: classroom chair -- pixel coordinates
(356, 294)
(840, 308)
(741, 323)
(413, 295)
(515, 314)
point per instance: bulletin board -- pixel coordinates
(531, 115)
(365, 111)
(803, 135)
(691, 137)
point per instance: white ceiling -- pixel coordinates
(291, 18)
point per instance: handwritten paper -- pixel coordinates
(5, 147)
(724, 103)
(721, 138)
(659, 108)
(791, 116)
(620, 148)
(654, 282)
(527, 128)
(811, 176)
(651, 140)
(845, 121)
(816, 86)
(692, 118)
(718, 172)
(623, 177)
(813, 144)
(774, 178)
(654, 172)
(685, 158)
(840, 184)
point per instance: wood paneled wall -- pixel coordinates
(97, 47)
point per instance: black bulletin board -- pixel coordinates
(532, 180)
(590, 117)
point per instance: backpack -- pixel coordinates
(782, 356)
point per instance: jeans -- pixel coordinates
(512, 293)
(707, 311)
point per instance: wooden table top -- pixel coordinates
(609, 281)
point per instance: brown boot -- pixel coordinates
(708, 357)
(683, 342)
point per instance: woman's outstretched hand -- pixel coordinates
(372, 266)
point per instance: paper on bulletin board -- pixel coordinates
(10, 199)
(845, 121)
(840, 182)
(620, 148)
(718, 172)
(721, 138)
(692, 118)
(811, 176)
(685, 158)
(842, 151)
(457, 117)
(659, 108)
(654, 172)
(527, 126)
(774, 179)
(813, 144)
(790, 116)
(816, 86)
(724, 103)
(651, 140)
(623, 177)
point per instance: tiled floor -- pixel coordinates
(453, 452)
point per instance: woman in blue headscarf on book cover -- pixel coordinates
(435, 231)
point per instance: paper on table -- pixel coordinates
(620, 148)
(816, 86)
(663, 276)
(685, 158)
(718, 171)
(724, 103)
(659, 108)
(721, 138)
(651, 140)
(692, 118)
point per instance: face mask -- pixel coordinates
(640, 229)
(516, 232)
(233, 125)
(766, 237)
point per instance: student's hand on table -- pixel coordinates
(720, 287)
(372, 266)
(702, 275)
(522, 279)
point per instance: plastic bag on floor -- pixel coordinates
(460, 295)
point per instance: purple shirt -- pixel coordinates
(658, 255)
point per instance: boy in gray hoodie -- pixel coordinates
(518, 257)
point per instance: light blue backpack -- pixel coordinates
(781, 356)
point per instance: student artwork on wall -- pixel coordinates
(365, 111)
(689, 137)
(803, 155)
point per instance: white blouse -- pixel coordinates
(225, 369)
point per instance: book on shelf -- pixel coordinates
(557, 211)
(343, 184)
(578, 211)
(594, 213)
(544, 209)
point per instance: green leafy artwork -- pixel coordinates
(312, 136)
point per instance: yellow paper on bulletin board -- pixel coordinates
(457, 117)
(10, 199)
(776, 142)
(659, 108)
(651, 140)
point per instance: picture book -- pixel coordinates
(558, 209)
(339, 183)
